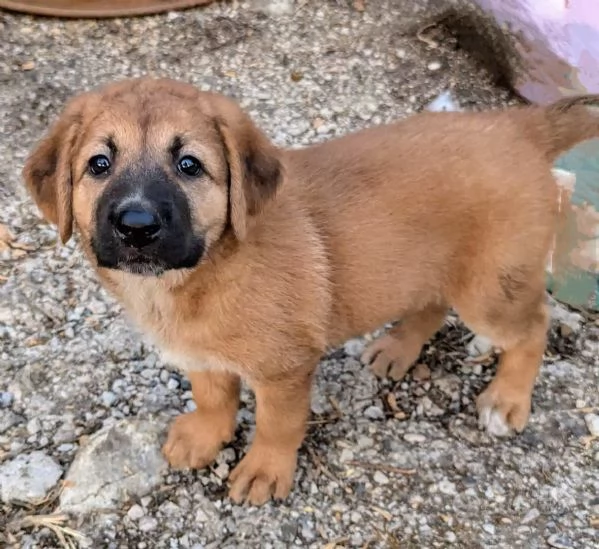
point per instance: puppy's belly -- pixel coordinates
(198, 362)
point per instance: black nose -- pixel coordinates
(137, 227)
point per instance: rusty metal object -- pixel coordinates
(97, 8)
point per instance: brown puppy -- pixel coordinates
(244, 261)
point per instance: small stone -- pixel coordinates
(414, 438)
(434, 66)
(6, 399)
(530, 516)
(346, 455)
(596, 457)
(147, 524)
(7, 420)
(365, 442)
(380, 478)
(28, 477)
(28, 66)
(164, 376)
(190, 406)
(489, 528)
(120, 461)
(135, 512)
(374, 412)
(421, 372)
(222, 471)
(354, 347)
(108, 398)
(559, 541)
(148, 373)
(34, 426)
(450, 537)
(448, 488)
(592, 421)
(172, 384)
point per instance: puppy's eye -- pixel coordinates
(98, 164)
(191, 166)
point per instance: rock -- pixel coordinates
(172, 384)
(450, 537)
(443, 102)
(531, 516)
(592, 421)
(147, 524)
(559, 541)
(118, 462)
(447, 487)
(6, 399)
(7, 420)
(421, 372)
(414, 438)
(34, 426)
(374, 412)
(479, 346)
(380, 478)
(135, 512)
(108, 398)
(28, 477)
(354, 347)
(489, 528)
(434, 66)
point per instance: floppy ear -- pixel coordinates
(255, 170)
(47, 171)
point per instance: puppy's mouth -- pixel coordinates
(141, 265)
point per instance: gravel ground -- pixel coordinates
(384, 465)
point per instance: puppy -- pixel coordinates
(245, 261)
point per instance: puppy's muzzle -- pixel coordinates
(137, 226)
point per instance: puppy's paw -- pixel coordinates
(503, 410)
(390, 357)
(262, 474)
(194, 440)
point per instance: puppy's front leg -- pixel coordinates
(195, 439)
(282, 408)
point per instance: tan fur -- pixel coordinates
(402, 221)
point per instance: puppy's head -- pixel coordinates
(153, 173)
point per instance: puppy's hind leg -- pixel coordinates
(516, 322)
(393, 354)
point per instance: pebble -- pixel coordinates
(34, 426)
(447, 487)
(592, 421)
(28, 477)
(434, 66)
(380, 478)
(100, 477)
(172, 384)
(222, 471)
(374, 412)
(147, 524)
(108, 398)
(489, 528)
(559, 541)
(450, 537)
(135, 512)
(414, 438)
(530, 516)
(6, 399)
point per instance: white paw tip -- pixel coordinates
(493, 422)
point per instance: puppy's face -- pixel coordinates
(153, 173)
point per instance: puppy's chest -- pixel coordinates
(185, 340)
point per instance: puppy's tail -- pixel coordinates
(567, 122)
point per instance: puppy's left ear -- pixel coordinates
(255, 168)
(47, 171)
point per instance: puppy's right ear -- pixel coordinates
(47, 171)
